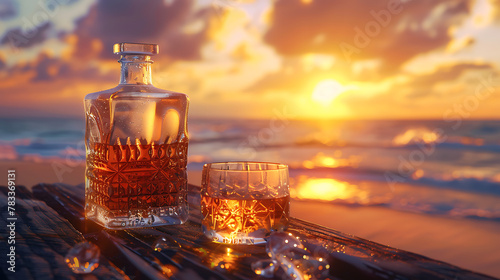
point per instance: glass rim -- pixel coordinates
(279, 166)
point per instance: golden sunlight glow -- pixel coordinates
(244, 53)
(320, 61)
(324, 189)
(483, 12)
(326, 91)
(416, 135)
(472, 141)
(322, 160)
(457, 44)
(329, 161)
(419, 173)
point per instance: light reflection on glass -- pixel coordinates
(225, 263)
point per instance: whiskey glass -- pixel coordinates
(241, 202)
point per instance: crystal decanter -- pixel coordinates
(136, 148)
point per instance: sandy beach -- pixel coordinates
(30, 173)
(468, 244)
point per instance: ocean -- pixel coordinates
(431, 167)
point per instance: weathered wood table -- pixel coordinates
(50, 220)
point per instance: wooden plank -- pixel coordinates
(197, 252)
(124, 247)
(349, 257)
(43, 238)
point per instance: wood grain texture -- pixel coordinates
(54, 221)
(43, 238)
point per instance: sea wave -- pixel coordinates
(433, 209)
(414, 145)
(348, 173)
(454, 176)
(469, 198)
(475, 185)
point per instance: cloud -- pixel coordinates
(47, 68)
(19, 38)
(50, 86)
(292, 78)
(233, 62)
(447, 73)
(8, 9)
(495, 4)
(371, 28)
(153, 21)
(446, 83)
(2, 63)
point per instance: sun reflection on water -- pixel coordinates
(336, 160)
(323, 189)
(416, 135)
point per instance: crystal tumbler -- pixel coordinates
(241, 202)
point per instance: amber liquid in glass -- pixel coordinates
(136, 185)
(243, 221)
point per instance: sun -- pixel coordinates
(326, 91)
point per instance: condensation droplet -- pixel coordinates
(295, 260)
(83, 257)
(265, 268)
(224, 266)
(280, 241)
(166, 243)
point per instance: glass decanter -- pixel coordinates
(136, 148)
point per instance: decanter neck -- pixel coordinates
(136, 69)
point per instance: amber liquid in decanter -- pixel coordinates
(136, 142)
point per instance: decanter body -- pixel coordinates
(136, 148)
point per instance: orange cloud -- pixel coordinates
(113, 21)
(18, 38)
(392, 31)
(255, 57)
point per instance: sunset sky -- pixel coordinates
(258, 59)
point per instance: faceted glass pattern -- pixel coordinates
(243, 201)
(136, 141)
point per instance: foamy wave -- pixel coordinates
(458, 197)
(434, 209)
(407, 199)
(476, 185)
(17, 142)
(468, 184)
(8, 152)
(416, 135)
